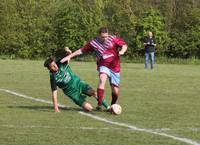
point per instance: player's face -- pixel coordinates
(103, 37)
(53, 67)
(150, 34)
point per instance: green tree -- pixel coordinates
(192, 41)
(122, 20)
(27, 30)
(76, 22)
(37, 28)
(184, 32)
(152, 21)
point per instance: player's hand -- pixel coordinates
(68, 50)
(56, 110)
(121, 53)
(65, 59)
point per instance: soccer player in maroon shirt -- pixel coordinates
(105, 47)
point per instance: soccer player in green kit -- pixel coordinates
(62, 76)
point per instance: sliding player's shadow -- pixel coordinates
(45, 108)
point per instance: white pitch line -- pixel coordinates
(60, 127)
(85, 128)
(31, 98)
(131, 127)
(177, 129)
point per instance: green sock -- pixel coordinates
(105, 104)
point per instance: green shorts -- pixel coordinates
(77, 93)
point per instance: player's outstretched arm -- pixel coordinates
(75, 53)
(55, 100)
(123, 50)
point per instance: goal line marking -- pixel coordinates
(131, 127)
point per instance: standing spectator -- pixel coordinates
(105, 47)
(149, 44)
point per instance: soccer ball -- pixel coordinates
(116, 109)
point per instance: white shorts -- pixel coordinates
(114, 78)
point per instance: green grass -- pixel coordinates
(167, 97)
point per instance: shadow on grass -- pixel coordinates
(51, 109)
(45, 108)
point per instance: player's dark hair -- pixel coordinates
(60, 53)
(48, 61)
(103, 30)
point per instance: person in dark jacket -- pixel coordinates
(149, 49)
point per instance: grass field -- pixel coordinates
(160, 107)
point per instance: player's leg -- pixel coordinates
(114, 83)
(152, 59)
(91, 92)
(87, 90)
(146, 60)
(87, 106)
(78, 99)
(115, 94)
(101, 86)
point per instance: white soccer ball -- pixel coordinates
(116, 109)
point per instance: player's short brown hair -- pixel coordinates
(103, 30)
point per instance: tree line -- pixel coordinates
(38, 28)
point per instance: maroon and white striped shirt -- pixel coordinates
(107, 52)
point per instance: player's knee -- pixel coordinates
(87, 107)
(102, 79)
(90, 108)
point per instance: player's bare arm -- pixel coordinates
(68, 51)
(67, 58)
(123, 50)
(55, 100)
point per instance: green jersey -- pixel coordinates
(64, 78)
(71, 84)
